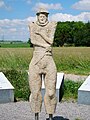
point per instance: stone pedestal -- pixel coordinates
(6, 90)
(84, 92)
(59, 87)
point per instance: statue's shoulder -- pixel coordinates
(53, 24)
(31, 24)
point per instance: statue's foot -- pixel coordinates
(36, 116)
(50, 117)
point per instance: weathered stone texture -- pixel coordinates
(42, 63)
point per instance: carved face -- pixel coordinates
(42, 18)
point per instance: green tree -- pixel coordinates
(69, 33)
(74, 28)
(82, 37)
(29, 41)
(61, 34)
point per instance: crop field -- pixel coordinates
(74, 60)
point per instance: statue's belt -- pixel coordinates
(37, 53)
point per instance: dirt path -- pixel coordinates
(75, 77)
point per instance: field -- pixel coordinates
(74, 60)
(14, 45)
(14, 63)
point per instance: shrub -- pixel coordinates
(19, 79)
(71, 89)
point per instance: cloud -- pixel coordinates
(28, 1)
(1, 30)
(17, 29)
(3, 5)
(30, 19)
(47, 6)
(82, 5)
(12, 30)
(84, 16)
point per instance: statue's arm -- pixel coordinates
(31, 29)
(40, 44)
(49, 39)
(32, 36)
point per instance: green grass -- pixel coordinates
(14, 45)
(74, 60)
(77, 119)
(19, 79)
(15, 61)
(15, 58)
(71, 89)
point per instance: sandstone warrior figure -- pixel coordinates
(42, 64)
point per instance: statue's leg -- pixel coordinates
(35, 88)
(50, 117)
(50, 85)
(36, 116)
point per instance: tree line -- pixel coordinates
(71, 34)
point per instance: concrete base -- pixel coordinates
(59, 87)
(84, 92)
(6, 90)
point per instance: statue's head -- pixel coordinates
(42, 16)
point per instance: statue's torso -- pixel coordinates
(39, 51)
(48, 30)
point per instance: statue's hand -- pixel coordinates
(39, 33)
(48, 48)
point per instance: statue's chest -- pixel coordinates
(46, 30)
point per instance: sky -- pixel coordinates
(15, 15)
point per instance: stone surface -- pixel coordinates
(84, 92)
(59, 87)
(6, 90)
(42, 64)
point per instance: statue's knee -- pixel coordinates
(51, 93)
(35, 96)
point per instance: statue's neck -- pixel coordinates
(42, 24)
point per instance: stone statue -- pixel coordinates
(42, 64)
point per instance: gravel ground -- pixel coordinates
(64, 111)
(75, 77)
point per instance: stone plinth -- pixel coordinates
(84, 92)
(6, 90)
(59, 87)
